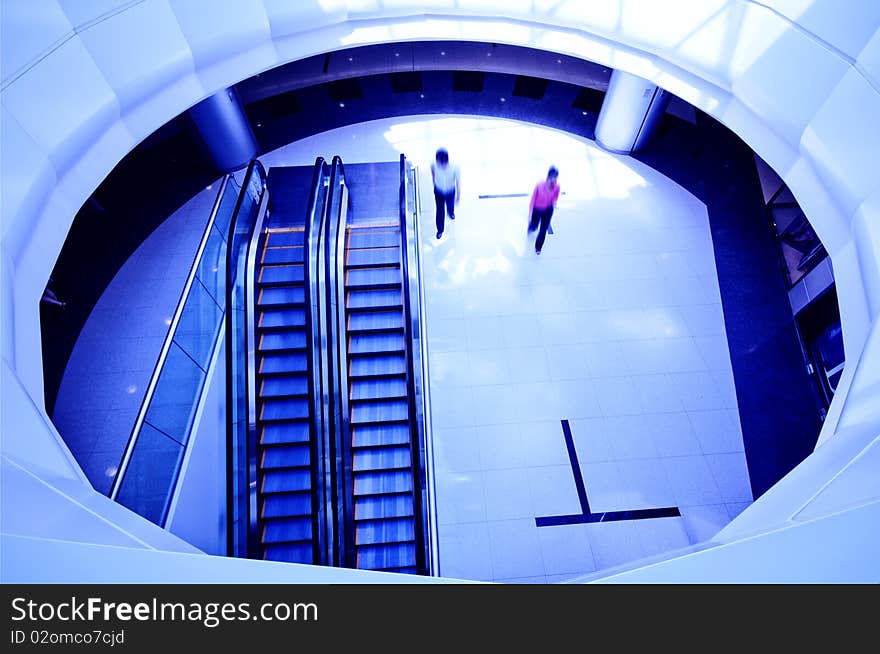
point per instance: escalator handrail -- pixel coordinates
(432, 545)
(412, 327)
(316, 346)
(252, 236)
(166, 345)
(334, 251)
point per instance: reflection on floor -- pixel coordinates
(616, 328)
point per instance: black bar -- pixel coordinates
(575, 468)
(550, 616)
(586, 517)
(608, 516)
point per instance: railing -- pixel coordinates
(241, 465)
(316, 343)
(426, 436)
(151, 463)
(337, 401)
(418, 393)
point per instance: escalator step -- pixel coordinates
(283, 385)
(383, 506)
(372, 257)
(374, 277)
(290, 504)
(273, 296)
(380, 435)
(294, 339)
(376, 343)
(373, 238)
(378, 321)
(282, 318)
(296, 455)
(385, 298)
(291, 274)
(382, 458)
(278, 433)
(290, 552)
(382, 483)
(287, 480)
(285, 530)
(284, 409)
(373, 411)
(274, 256)
(378, 365)
(384, 557)
(376, 532)
(281, 363)
(377, 389)
(288, 237)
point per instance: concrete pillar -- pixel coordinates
(630, 113)
(224, 127)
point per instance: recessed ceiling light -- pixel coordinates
(396, 54)
(342, 105)
(559, 61)
(350, 59)
(584, 113)
(503, 99)
(421, 95)
(259, 124)
(443, 54)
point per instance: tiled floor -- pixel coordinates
(617, 327)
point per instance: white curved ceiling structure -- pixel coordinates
(799, 80)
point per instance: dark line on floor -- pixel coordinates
(575, 468)
(586, 517)
(607, 516)
(506, 195)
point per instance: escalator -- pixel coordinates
(384, 512)
(384, 502)
(285, 364)
(327, 403)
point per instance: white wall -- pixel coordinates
(45, 495)
(198, 508)
(798, 80)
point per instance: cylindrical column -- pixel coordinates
(630, 112)
(225, 130)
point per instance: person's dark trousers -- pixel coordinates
(543, 217)
(445, 202)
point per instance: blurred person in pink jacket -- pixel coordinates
(541, 207)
